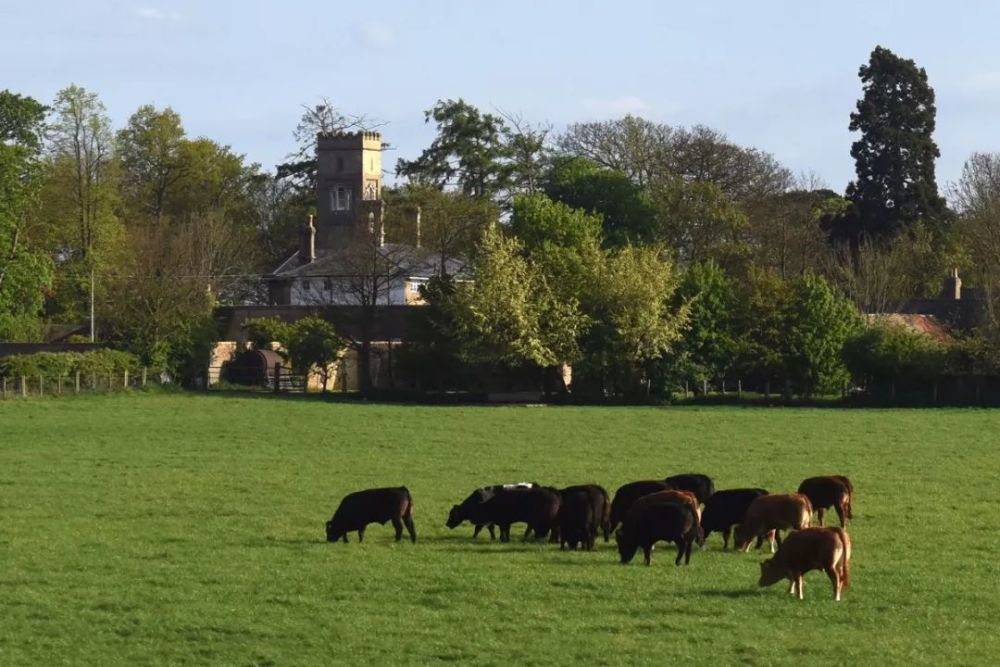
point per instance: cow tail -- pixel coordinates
(844, 567)
(807, 512)
(409, 503)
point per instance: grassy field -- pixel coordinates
(188, 529)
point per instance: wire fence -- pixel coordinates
(28, 386)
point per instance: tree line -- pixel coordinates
(643, 255)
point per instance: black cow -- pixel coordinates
(468, 510)
(830, 491)
(700, 485)
(361, 508)
(538, 507)
(668, 521)
(576, 519)
(601, 505)
(726, 509)
(628, 494)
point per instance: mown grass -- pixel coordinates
(187, 529)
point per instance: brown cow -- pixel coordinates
(829, 491)
(827, 549)
(769, 514)
(686, 498)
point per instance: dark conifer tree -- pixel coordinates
(894, 157)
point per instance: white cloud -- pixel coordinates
(618, 106)
(154, 14)
(377, 35)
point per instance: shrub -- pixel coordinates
(54, 364)
(887, 353)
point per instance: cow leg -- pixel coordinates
(361, 535)
(344, 538)
(840, 514)
(687, 552)
(831, 571)
(820, 511)
(791, 587)
(725, 537)
(771, 534)
(799, 577)
(490, 527)
(398, 525)
(475, 533)
(648, 553)
(777, 538)
(505, 532)
(680, 552)
(410, 528)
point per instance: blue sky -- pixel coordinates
(779, 75)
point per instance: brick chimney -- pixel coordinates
(952, 286)
(416, 227)
(307, 242)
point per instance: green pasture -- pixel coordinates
(187, 529)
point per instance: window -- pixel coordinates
(340, 198)
(327, 284)
(340, 163)
(371, 192)
(305, 284)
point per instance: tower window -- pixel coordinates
(371, 192)
(340, 198)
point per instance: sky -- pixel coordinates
(777, 75)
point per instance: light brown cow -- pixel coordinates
(827, 549)
(769, 514)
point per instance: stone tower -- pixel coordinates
(348, 187)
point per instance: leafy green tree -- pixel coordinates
(25, 271)
(634, 320)
(469, 152)
(894, 157)
(80, 200)
(152, 165)
(623, 206)
(888, 353)
(709, 343)
(563, 242)
(314, 345)
(818, 324)
(760, 323)
(699, 222)
(511, 314)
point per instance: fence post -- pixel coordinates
(685, 389)
(3, 395)
(59, 385)
(144, 376)
(277, 377)
(892, 392)
(93, 381)
(125, 379)
(739, 390)
(77, 382)
(24, 387)
(723, 386)
(704, 387)
(934, 393)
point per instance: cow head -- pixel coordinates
(770, 573)
(626, 546)
(454, 516)
(332, 534)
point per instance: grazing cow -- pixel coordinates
(669, 521)
(829, 491)
(771, 513)
(576, 520)
(467, 511)
(827, 549)
(726, 509)
(601, 507)
(628, 494)
(700, 485)
(537, 507)
(361, 508)
(685, 498)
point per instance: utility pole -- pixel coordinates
(93, 331)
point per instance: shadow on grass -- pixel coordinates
(733, 594)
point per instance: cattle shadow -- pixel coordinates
(731, 594)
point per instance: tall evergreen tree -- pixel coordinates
(894, 157)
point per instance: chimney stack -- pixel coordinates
(957, 293)
(307, 242)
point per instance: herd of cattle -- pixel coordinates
(683, 509)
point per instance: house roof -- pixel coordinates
(412, 262)
(928, 325)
